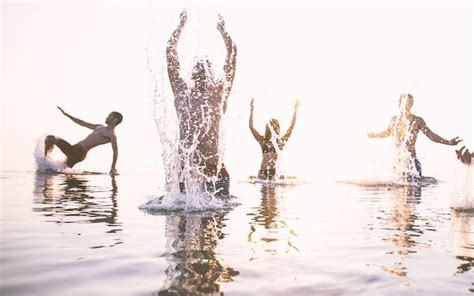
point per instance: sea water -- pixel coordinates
(66, 234)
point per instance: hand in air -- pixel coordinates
(221, 24)
(464, 156)
(454, 141)
(371, 135)
(297, 104)
(183, 17)
(61, 109)
(113, 172)
(251, 104)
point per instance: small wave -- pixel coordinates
(422, 182)
(463, 202)
(290, 180)
(196, 202)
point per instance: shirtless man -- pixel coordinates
(200, 105)
(405, 128)
(101, 135)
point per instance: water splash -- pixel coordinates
(189, 202)
(462, 199)
(183, 138)
(49, 165)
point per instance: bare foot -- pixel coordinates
(49, 145)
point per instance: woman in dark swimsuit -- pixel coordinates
(267, 143)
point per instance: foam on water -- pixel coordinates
(289, 180)
(49, 165)
(462, 199)
(195, 202)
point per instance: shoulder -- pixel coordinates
(419, 120)
(107, 132)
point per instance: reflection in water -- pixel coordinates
(463, 241)
(71, 199)
(276, 236)
(194, 264)
(403, 224)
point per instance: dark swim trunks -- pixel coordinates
(74, 153)
(410, 177)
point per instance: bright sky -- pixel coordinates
(347, 62)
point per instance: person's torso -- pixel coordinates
(405, 131)
(199, 115)
(101, 135)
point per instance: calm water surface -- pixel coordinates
(84, 235)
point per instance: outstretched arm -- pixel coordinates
(113, 141)
(255, 134)
(78, 121)
(230, 61)
(383, 134)
(287, 135)
(177, 82)
(435, 138)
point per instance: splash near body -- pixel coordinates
(196, 177)
(46, 164)
(404, 129)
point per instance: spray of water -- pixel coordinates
(50, 164)
(462, 199)
(190, 137)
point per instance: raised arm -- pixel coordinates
(255, 134)
(78, 121)
(113, 141)
(383, 134)
(177, 82)
(230, 61)
(287, 135)
(435, 138)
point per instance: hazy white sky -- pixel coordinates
(347, 62)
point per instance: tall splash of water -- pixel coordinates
(404, 163)
(182, 159)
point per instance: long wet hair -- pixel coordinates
(275, 125)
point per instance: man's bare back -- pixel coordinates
(200, 106)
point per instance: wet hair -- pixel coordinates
(203, 67)
(276, 128)
(117, 116)
(409, 96)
